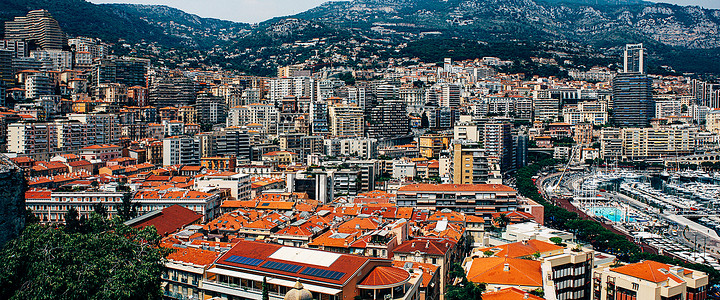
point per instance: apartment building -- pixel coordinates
(476, 199)
(649, 280)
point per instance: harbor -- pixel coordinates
(675, 213)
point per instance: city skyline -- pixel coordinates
(255, 11)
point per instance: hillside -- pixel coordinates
(363, 33)
(166, 26)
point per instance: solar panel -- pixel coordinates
(273, 265)
(244, 260)
(327, 274)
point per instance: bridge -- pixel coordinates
(695, 158)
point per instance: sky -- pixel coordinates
(253, 11)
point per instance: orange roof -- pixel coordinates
(649, 270)
(282, 205)
(194, 256)
(519, 272)
(512, 293)
(523, 249)
(354, 224)
(334, 239)
(456, 187)
(428, 269)
(404, 213)
(383, 276)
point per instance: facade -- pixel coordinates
(471, 166)
(642, 143)
(586, 112)
(211, 109)
(450, 95)
(632, 100)
(180, 151)
(388, 120)
(346, 120)
(649, 280)
(477, 199)
(231, 142)
(38, 27)
(498, 143)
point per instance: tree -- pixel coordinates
(265, 292)
(424, 121)
(72, 220)
(100, 209)
(128, 209)
(110, 261)
(463, 289)
(556, 240)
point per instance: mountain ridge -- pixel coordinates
(684, 37)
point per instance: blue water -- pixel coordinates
(611, 213)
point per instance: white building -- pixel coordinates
(181, 151)
(239, 184)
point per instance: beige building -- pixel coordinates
(641, 143)
(712, 121)
(346, 120)
(430, 145)
(649, 280)
(471, 166)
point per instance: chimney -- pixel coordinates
(506, 267)
(526, 296)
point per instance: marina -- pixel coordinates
(674, 212)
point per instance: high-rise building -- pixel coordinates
(37, 85)
(232, 142)
(498, 143)
(545, 106)
(471, 166)
(450, 96)
(634, 59)
(181, 151)
(388, 120)
(211, 109)
(61, 60)
(291, 86)
(18, 48)
(37, 27)
(95, 47)
(129, 71)
(256, 113)
(632, 100)
(172, 91)
(6, 74)
(346, 120)
(319, 117)
(632, 91)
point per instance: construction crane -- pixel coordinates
(570, 158)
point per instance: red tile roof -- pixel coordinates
(194, 256)
(456, 187)
(523, 249)
(649, 270)
(512, 293)
(519, 272)
(347, 264)
(431, 246)
(385, 276)
(171, 219)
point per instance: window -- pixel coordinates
(635, 286)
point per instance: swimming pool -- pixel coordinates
(611, 213)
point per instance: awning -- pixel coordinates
(283, 282)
